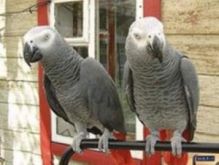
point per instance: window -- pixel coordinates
(98, 29)
(69, 19)
(114, 19)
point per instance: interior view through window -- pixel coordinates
(114, 20)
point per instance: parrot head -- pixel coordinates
(37, 43)
(146, 38)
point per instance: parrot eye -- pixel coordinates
(137, 36)
(149, 36)
(46, 37)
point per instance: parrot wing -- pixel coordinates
(52, 99)
(101, 95)
(57, 108)
(191, 88)
(128, 86)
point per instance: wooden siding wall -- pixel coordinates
(19, 111)
(193, 28)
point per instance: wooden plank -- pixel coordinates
(202, 49)
(14, 27)
(3, 68)
(207, 121)
(202, 137)
(19, 92)
(18, 24)
(21, 157)
(13, 47)
(19, 117)
(209, 90)
(17, 69)
(12, 6)
(191, 17)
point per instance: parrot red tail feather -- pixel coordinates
(122, 157)
(168, 158)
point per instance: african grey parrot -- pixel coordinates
(78, 90)
(161, 84)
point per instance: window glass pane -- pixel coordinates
(64, 128)
(125, 15)
(82, 50)
(102, 53)
(69, 19)
(115, 18)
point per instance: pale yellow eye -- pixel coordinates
(137, 36)
(46, 37)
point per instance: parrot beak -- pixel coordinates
(31, 54)
(157, 47)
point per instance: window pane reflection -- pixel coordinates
(64, 128)
(115, 18)
(69, 19)
(82, 50)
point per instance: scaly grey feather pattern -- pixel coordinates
(57, 108)
(161, 84)
(159, 92)
(85, 91)
(52, 100)
(79, 90)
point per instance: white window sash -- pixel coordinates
(139, 126)
(85, 31)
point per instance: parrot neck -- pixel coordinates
(152, 64)
(65, 66)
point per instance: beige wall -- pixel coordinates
(193, 27)
(19, 117)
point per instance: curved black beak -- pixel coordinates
(31, 54)
(157, 48)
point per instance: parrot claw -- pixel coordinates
(150, 143)
(77, 142)
(176, 144)
(103, 143)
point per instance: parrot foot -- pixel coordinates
(103, 144)
(151, 141)
(176, 144)
(77, 141)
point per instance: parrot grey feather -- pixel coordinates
(57, 108)
(163, 86)
(190, 81)
(128, 86)
(79, 90)
(102, 97)
(52, 100)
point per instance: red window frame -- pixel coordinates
(49, 148)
